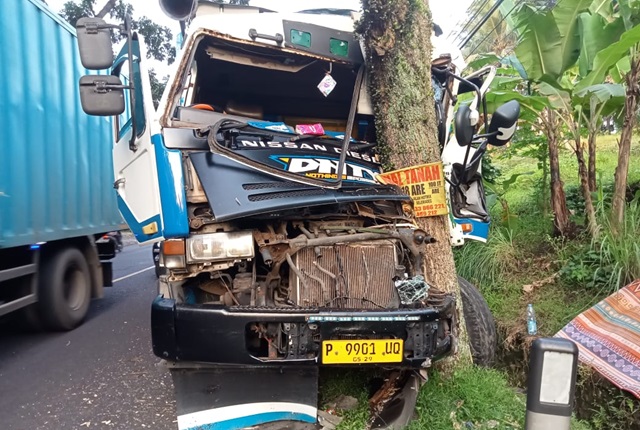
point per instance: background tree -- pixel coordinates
(158, 38)
(397, 37)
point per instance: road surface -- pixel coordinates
(101, 375)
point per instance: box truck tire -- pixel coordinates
(64, 289)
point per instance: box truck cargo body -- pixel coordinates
(56, 177)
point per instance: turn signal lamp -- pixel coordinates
(467, 228)
(173, 251)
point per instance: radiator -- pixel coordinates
(365, 282)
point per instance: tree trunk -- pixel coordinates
(562, 225)
(624, 148)
(592, 224)
(106, 8)
(397, 37)
(592, 161)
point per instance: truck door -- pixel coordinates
(134, 158)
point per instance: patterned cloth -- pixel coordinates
(608, 337)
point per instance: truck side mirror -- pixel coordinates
(94, 43)
(102, 95)
(462, 126)
(503, 123)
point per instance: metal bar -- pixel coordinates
(17, 272)
(17, 304)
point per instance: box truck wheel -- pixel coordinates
(64, 289)
(480, 324)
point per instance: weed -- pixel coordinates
(485, 264)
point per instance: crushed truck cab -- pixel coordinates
(286, 261)
(280, 247)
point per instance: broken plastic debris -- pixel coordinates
(312, 129)
(327, 84)
(412, 290)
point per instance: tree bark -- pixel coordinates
(592, 161)
(562, 224)
(592, 223)
(397, 38)
(624, 146)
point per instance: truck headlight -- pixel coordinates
(220, 246)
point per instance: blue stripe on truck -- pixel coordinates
(135, 225)
(172, 195)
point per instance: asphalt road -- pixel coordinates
(102, 375)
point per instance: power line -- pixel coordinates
(494, 29)
(481, 23)
(477, 12)
(531, 11)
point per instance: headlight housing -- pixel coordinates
(202, 248)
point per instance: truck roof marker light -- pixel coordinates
(339, 47)
(36, 245)
(301, 38)
(173, 247)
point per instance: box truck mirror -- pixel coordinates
(102, 95)
(94, 43)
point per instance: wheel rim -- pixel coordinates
(74, 287)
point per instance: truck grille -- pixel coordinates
(365, 282)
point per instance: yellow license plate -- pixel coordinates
(362, 351)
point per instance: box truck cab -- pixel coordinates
(258, 172)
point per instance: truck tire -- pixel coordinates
(64, 289)
(480, 324)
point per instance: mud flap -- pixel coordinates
(399, 410)
(238, 397)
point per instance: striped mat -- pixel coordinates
(608, 337)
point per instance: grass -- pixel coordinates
(471, 398)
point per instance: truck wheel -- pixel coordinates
(64, 289)
(480, 324)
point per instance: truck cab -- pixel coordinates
(259, 174)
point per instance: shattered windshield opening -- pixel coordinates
(241, 84)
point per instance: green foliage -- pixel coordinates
(566, 18)
(595, 35)
(497, 192)
(609, 57)
(610, 261)
(540, 45)
(157, 86)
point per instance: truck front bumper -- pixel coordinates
(221, 335)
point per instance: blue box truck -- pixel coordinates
(56, 178)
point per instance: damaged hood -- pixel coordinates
(235, 190)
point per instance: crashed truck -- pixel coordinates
(275, 264)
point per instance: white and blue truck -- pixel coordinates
(56, 174)
(281, 250)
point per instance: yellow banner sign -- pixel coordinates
(425, 185)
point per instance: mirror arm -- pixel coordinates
(471, 84)
(93, 28)
(485, 135)
(132, 92)
(484, 114)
